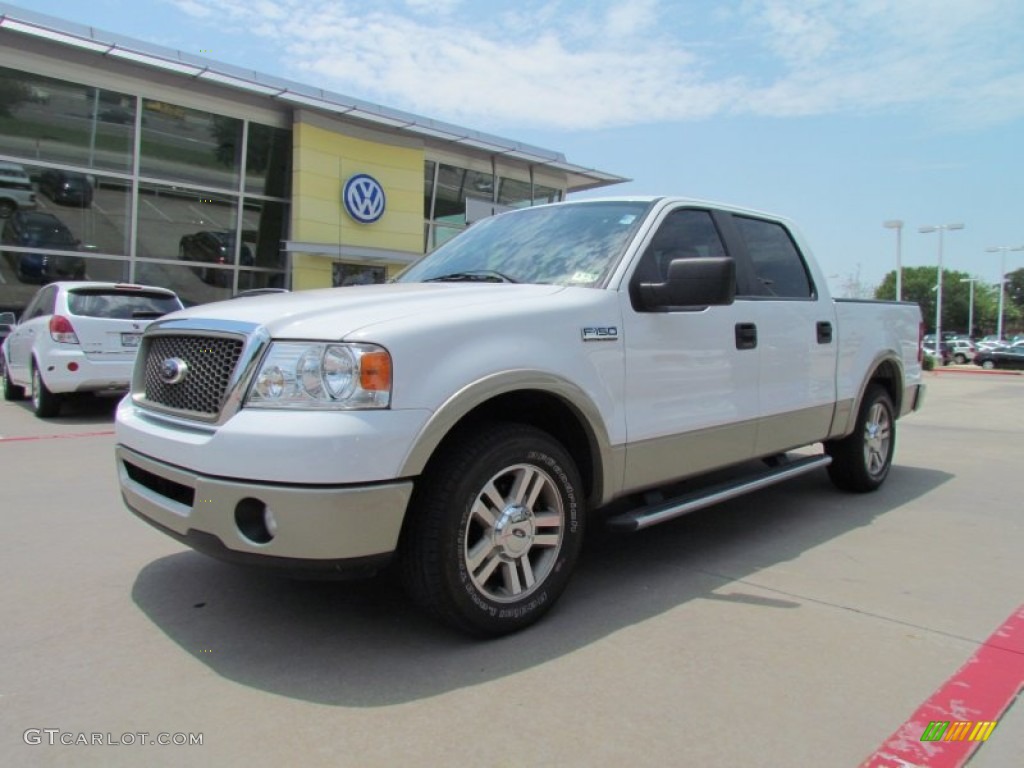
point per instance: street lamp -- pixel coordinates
(970, 307)
(897, 224)
(941, 229)
(1002, 280)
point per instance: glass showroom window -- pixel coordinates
(50, 120)
(264, 223)
(268, 161)
(191, 146)
(514, 193)
(63, 220)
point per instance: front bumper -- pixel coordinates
(316, 528)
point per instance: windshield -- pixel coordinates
(565, 244)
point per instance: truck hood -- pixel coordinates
(334, 313)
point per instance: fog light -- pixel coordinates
(270, 522)
(254, 521)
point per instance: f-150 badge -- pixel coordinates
(601, 333)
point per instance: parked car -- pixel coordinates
(35, 229)
(464, 424)
(1003, 357)
(213, 247)
(963, 350)
(79, 337)
(66, 187)
(943, 358)
(16, 192)
(7, 322)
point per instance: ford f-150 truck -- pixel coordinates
(616, 360)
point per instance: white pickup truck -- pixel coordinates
(617, 360)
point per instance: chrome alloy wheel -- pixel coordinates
(877, 436)
(514, 533)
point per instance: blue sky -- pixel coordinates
(839, 115)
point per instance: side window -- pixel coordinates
(47, 301)
(778, 266)
(684, 234)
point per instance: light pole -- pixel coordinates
(941, 229)
(970, 306)
(1002, 280)
(897, 224)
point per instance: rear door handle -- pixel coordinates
(746, 336)
(824, 332)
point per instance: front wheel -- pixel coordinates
(988, 365)
(861, 461)
(494, 530)
(44, 402)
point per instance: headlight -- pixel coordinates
(297, 374)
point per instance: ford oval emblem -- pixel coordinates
(364, 198)
(173, 370)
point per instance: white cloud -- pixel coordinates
(576, 66)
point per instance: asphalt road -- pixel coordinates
(797, 627)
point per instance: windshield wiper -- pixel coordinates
(473, 276)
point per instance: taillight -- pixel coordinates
(62, 331)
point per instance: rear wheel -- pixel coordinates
(494, 530)
(44, 402)
(861, 461)
(988, 365)
(7, 208)
(12, 391)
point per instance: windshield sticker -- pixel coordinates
(584, 277)
(628, 219)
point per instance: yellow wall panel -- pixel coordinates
(323, 161)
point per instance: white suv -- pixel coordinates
(79, 337)
(16, 190)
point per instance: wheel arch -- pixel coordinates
(887, 371)
(547, 402)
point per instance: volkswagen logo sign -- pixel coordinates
(364, 198)
(173, 370)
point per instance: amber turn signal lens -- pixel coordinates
(375, 372)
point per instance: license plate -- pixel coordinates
(130, 339)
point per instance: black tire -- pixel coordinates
(12, 392)
(7, 208)
(988, 365)
(473, 542)
(861, 461)
(960, 359)
(44, 402)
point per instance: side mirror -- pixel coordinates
(691, 284)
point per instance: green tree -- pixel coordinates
(919, 287)
(1015, 287)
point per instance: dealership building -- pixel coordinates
(120, 160)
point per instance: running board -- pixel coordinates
(644, 517)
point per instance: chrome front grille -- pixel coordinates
(211, 362)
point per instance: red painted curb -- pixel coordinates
(980, 691)
(993, 372)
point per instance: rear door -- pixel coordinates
(796, 334)
(109, 321)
